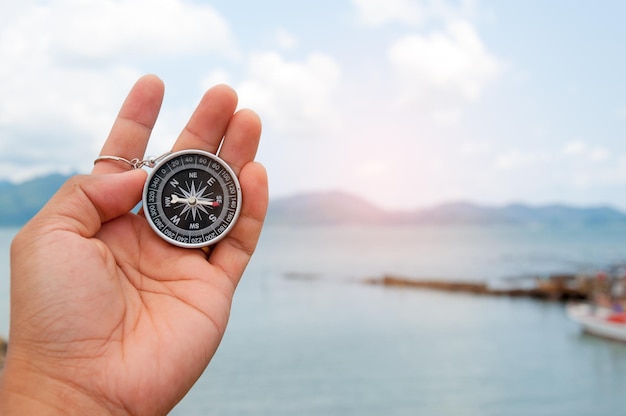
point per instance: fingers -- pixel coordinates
(208, 123)
(241, 140)
(131, 130)
(233, 253)
(213, 120)
(85, 202)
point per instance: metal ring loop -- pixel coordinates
(135, 163)
(131, 163)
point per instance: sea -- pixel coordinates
(309, 336)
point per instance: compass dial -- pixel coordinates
(192, 198)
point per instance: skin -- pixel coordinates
(106, 317)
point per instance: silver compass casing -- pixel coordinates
(192, 198)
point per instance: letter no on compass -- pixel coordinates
(192, 198)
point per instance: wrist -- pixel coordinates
(25, 390)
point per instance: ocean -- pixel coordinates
(307, 336)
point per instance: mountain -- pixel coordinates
(338, 208)
(19, 202)
(324, 208)
(467, 213)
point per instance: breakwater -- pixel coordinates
(562, 288)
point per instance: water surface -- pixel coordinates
(307, 338)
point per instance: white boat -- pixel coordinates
(603, 322)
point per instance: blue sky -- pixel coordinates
(406, 103)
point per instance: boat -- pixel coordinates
(600, 321)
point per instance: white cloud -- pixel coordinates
(217, 76)
(599, 154)
(475, 148)
(516, 159)
(371, 169)
(573, 148)
(63, 116)
(107, 29)
(286, 40)
(445, 70)
(581, 180)
(378, 12)
(447, 115)
(578, 148)
(67, 65)
(293, 97)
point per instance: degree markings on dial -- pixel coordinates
(192, 191)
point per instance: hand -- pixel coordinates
(106, 317)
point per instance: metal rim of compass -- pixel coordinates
(163, 161)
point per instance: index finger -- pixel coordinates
(132, 127)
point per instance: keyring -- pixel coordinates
(135, 163)
(191, 198)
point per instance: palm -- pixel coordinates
(140, 312)
(160, 296)
(111, 308)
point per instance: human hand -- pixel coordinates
(106, 317)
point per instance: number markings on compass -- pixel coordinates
(192, 199)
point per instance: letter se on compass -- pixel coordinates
(192, 198)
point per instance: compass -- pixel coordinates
(191, 198)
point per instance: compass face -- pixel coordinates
(192, 198)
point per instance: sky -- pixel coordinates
(406, 103)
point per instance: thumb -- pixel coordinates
(85, 202)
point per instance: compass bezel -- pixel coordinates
(207, 165)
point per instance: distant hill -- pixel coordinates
(19, 202)
(324, 208)
(338, 208)
(466, 213)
